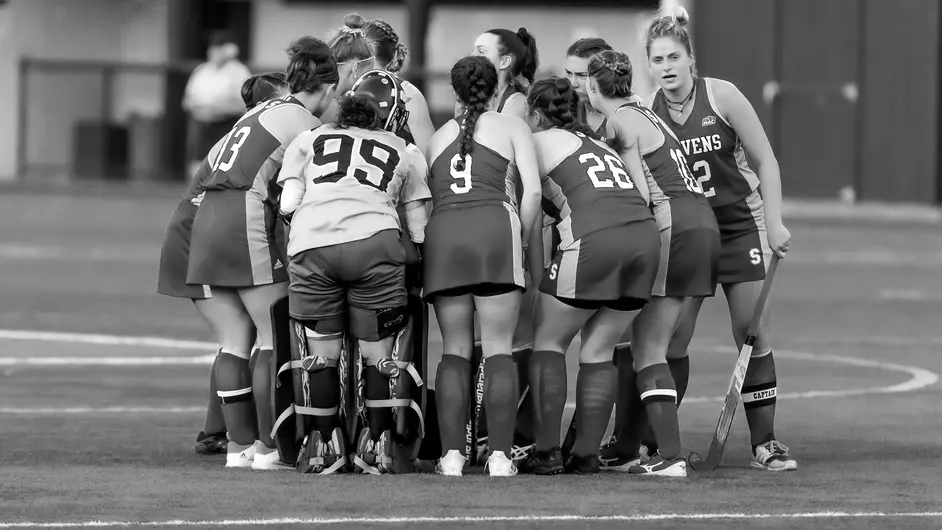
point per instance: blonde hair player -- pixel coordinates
(362, 45)
(716, 126)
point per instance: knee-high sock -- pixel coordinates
(524, 432)
(452, 391)
(377, 387)
(759, 391)
(548, 384)
(660, 400)
(680, 372)
(234, 389)
(500, 396)
(262, 392)
(325, 394)
(215, 423)
(596, 389)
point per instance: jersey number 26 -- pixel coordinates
(616, 169)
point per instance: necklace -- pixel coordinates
(683, 104)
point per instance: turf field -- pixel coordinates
(103, 386)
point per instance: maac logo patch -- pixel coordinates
(709, 120)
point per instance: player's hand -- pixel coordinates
(780, 239)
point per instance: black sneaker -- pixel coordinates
(211, 444)
(582, 465)
(543, 462)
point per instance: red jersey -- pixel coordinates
(587, 187)
(714, 150)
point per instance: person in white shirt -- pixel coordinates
(212, 98)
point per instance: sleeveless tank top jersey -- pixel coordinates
(510, 92)
(583, 192)
(668, 166)
(712, 147)
(487, 177)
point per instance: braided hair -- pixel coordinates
(310, 66)
(262, 87)
(474, 80)
(382, 39)
(555, 99)
(612, 71)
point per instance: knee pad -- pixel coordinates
(233, 379)
(375, 325)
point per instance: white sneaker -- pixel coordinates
(269, 462)
(773, 456)
(498, 465)
(240, 455)
(659, 467)
(451, 465)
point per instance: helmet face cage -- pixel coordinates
(384, 89)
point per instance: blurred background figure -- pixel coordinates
(212, 99)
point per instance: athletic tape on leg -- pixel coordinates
(234, 396)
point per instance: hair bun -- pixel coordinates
(681, 16)
(524, 35)
(354, 21)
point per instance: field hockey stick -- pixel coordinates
(718, 445)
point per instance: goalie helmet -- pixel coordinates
(385, 91)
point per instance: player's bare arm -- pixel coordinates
(529, 168)
(742, 117)
(291, 175)
(628, 147)
(420, 121)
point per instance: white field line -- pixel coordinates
(718, 516)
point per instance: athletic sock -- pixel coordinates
(625, 412)
(234, 384)
(377, 387)
(325, 394)
(262, 392)
(635, 422)
(680, 372)
(596, 388)
(548, 384)
(215, 423)
(758, 397)
(659, 396)
(452, 391)
(501, 394)
(477, 361)
(526, 420)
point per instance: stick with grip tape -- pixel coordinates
(733, 397)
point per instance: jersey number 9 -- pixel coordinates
(369, 169)
(464, 175)
(615, 167)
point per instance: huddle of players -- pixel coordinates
(636, 239)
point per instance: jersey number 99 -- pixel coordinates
(616, 168)
(371, 169)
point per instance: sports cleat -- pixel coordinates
(211, 444)
(581, 465)
(240, 455)
(773, 456)
(452, 464)
(612, 461)
(373, 456)
(270, 462)
(660, 467)
(519, 453)
(498, 465)
(543, 462)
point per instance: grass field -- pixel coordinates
(103, 385)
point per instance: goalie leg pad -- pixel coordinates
(375, 325)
